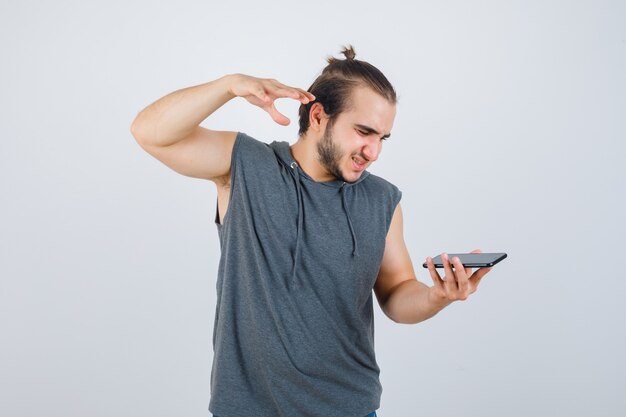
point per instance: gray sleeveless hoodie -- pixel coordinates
(294, 332)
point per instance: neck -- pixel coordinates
(304, 151)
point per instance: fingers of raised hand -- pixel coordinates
(308, 96)
(280, 90)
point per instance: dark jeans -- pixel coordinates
(372, 414)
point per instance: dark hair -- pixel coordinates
(333, 87)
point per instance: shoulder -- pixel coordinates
(382, 187)
(375, 180)
(247, 142)
(386, 195)
(249, 149)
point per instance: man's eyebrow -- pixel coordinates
(371, 130)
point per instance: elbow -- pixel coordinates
(138, 129)
(134, 126)
(405, 303)
(390, 313)
(396, 319)
(135, 130)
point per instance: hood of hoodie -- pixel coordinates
(282, 150)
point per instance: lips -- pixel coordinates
(358, 164)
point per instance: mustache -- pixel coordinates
(360, 155)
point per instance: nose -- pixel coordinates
(372, 149)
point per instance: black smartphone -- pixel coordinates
(470, 260)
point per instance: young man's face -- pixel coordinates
(355, 139)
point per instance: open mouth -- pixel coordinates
(358, 164)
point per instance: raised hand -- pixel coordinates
(262, 92)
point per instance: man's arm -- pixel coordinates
(406, 300)
(169, 130)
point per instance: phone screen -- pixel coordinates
(470, 260)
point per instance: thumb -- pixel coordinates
(277, 116)
(478, 275)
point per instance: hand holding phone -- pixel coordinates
(459, 281)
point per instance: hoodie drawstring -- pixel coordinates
(344, 204)
(345, 209)
(294, 167)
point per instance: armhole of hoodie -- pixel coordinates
(234, 163)
(396, 196)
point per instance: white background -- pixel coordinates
(509, 136)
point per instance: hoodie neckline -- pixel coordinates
(282, 149)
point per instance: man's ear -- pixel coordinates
(317, 117)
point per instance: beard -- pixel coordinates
(329, 154)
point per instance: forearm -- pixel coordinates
(412, 302)
(174, 116)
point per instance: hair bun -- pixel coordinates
(348, 52)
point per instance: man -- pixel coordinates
(306, 232)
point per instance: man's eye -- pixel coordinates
(362, 133)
